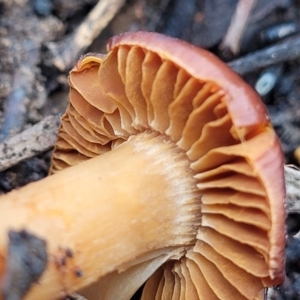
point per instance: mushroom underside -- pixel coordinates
(133, 90)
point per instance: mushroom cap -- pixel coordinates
(150, 82)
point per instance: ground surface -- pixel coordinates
(32, 88)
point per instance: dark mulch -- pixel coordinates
(32, 88)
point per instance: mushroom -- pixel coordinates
(166, 171)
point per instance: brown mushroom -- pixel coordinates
(177, 176)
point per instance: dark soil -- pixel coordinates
(32, 88)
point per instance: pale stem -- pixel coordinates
(108, 211)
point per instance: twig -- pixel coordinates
(292, 179)
(281, 52)
(35, 140)
(66, 52)
(233, 37)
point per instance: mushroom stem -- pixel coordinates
(100, 214)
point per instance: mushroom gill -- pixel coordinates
(152, 84)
